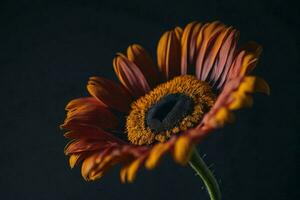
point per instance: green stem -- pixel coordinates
(206, 175)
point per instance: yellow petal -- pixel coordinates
(155, 154)
(96, 175)
(73, 159)
(132, 170)
(221, 117)
(182, 150)
(241, 100)
(254, 84)
(128, 172)
(87, 165)
(250, 84)
(123, 173)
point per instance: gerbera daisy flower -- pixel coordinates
(201, 76)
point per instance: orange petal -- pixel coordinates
(129, 171)
(94, 175)
(73, 159)
(110, 93)
(90, 113)
(75, 103)
(87, 165)
(123, 173)
(87, 134)
(130, 76)
(84, 145)
(226, 57)
(207, 34)
(169, 53)
(188, 47)
(132, 170)
(102, 168)
(99, 162)
(245, 60)
(209, 62)
(143, 61)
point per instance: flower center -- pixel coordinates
(168, 109)
(168, 112)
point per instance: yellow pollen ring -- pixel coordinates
(137, 130)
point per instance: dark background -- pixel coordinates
(48, 51)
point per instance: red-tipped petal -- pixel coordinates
(89, 112)
(143, 61)
(206, 37)
(226, 57)
(189, 47)
(130, 76)
(210, 60)
(109, 93)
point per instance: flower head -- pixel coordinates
(201, 76)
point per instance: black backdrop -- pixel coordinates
(48, 51)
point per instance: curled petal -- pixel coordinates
(109, 93)
(130, 76)
(169, 53)
(143, 61)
